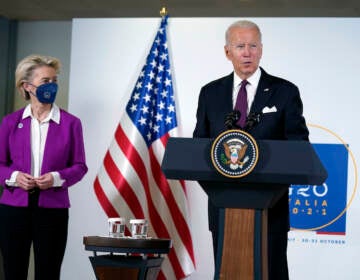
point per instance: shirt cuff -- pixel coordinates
(12, 181)
(58, 182)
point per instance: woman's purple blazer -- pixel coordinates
(64, 152)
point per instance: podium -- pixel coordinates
(126, 258)
(242, 238)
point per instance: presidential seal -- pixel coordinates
(234, 153)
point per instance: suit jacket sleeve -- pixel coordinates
(202, 125)
(295, 125)
(5, 169)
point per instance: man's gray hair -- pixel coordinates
(242, 24)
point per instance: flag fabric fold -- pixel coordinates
(130, 182)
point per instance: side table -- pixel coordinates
(126, 258)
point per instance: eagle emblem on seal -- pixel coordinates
(235, 151)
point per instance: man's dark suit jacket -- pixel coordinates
(287, 123)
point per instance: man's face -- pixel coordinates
(244, 50)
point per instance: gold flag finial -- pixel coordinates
(163, 11)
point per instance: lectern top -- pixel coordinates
(281, 162)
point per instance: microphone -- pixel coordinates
(252, 120)
(231, 119)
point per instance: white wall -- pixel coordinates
(47, 38)
(320, 55)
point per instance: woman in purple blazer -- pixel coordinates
(41, 155)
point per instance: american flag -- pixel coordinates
(130, 182)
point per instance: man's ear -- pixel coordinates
(226, 50)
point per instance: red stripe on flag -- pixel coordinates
(161, 276)
(104, 201)
(164, 139)
(122, 186)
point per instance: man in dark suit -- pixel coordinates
(278, 105)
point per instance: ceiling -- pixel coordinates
(69, 9)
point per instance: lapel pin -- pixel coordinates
(266, 89)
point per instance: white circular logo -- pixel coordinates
(234, 153)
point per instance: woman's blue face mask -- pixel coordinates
(46, 93)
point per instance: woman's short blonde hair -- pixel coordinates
(25, 70)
